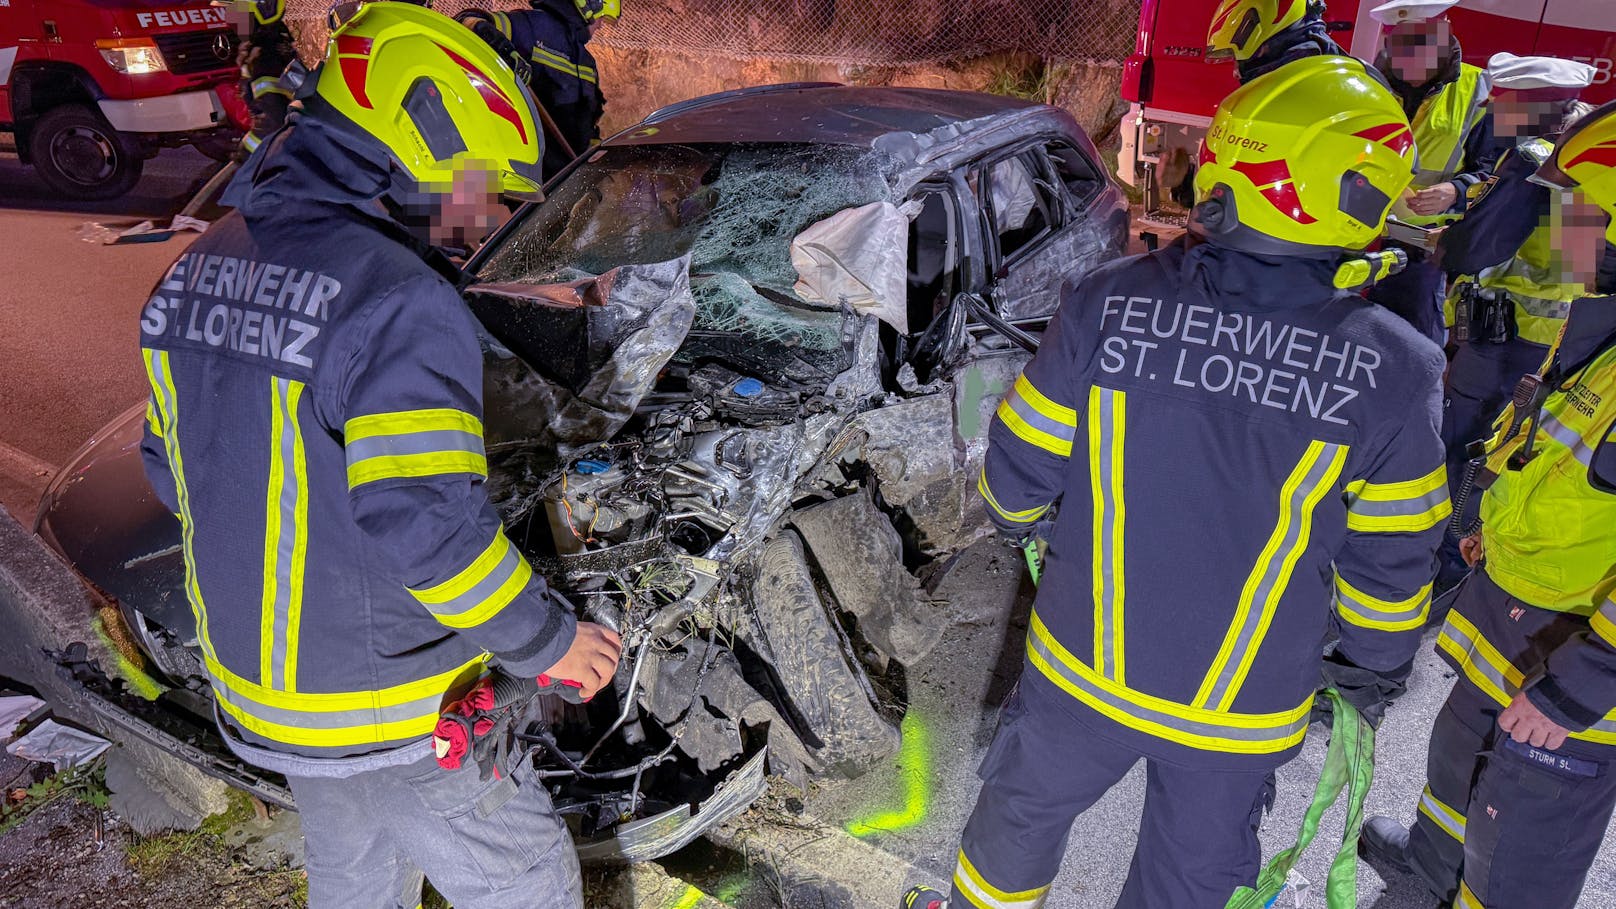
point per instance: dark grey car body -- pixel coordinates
(760, 497)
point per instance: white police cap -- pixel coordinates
(1398, 12)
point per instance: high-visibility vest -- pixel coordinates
(1440, 127)
(1545, 526)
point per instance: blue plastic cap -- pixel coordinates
(749, 388)
(592, 467)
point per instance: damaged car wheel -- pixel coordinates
(831, 697)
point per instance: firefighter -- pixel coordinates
(551, 42)
(1446, 100)
(1263, 35)
(1228, 383)
(264, 54)
(1521, 771)
(315, 422)
(1508, 279)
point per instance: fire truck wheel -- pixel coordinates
(80, 155)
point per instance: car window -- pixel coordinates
(1024, 207)
(1076, 172)
(934, 256)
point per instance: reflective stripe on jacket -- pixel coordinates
(316, 423)
(1234, 446)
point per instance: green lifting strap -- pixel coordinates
(1350, 765)
(1035, 562)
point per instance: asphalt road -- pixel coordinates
(955, 695)
(69, 358)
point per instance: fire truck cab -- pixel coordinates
(1172, 88)
(89, 89)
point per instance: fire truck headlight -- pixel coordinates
(132, 56)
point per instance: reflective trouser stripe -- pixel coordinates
(1107, 426)
(286, 535)
(1314, 475)
(1037, 420)
(1451, 822)
(338, 719)
(1467, 898)
(1496, 677)
(152, 423)
(984, 895)
(269, 85)
(1018, 517)
(251, 141)
(502, 22)
(1208, 730)
(161, 378)
(480, 590)
(1565, 435)
(1409, 507)
(1365, 611)
(1603, 622)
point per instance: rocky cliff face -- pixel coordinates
(1061, 53)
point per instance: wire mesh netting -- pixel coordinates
(889, 33)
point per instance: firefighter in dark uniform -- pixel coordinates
(1240, 384)
(264, 54)
(1521, 771)
(1263, 35)
(1446, 100)
(1508, 295)
(315, 422)
(551, 41)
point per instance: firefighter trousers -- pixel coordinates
(1197, 839)
(495, 844)
(1502, 825)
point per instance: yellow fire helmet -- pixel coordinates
(1305, 160)
(433, 93)
(1240, 27)
(1585, 159)
(264, 12)
(599, 9)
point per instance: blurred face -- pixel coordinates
(469, 210)
(1577, 235)
(1514, 118)
(1416, 51)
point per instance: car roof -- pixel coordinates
(827, 114)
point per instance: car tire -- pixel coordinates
(79, 155)
(830, 696)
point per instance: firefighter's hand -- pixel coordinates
(1527, 724)
(591, 660)
(1434, 201)
(1471, 549)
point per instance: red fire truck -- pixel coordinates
(1173, 89)
(89, 89)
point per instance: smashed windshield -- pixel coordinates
(733, 208)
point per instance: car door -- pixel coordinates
(1043, 224)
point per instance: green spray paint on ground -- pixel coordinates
(914, 778)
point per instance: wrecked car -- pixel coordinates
(740, 366)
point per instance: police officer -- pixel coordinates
(1226, 383)
(551, 40)
(1521, 772)
(264, 54)
(315, 422)
(1446, 100)
(1509, 290)
(1263, 35)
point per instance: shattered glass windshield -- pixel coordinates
(734, 209)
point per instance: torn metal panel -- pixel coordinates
(919, 465)
(858, 552)
(631, 319)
